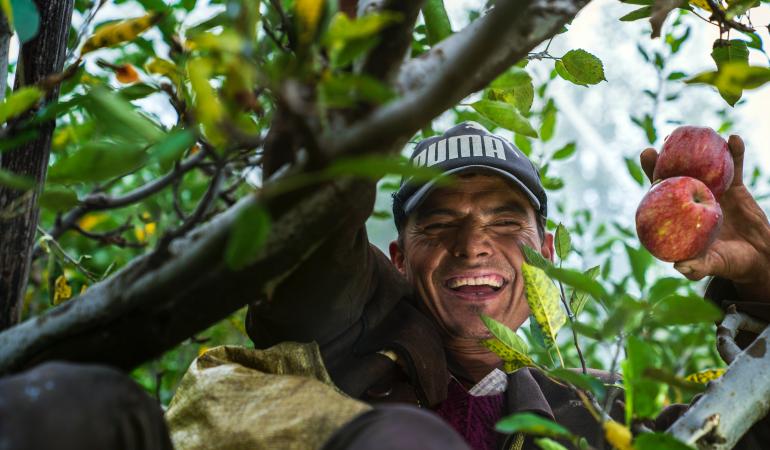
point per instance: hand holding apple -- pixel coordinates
(741, 250)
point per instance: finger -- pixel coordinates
(737, 148)
(648, 158)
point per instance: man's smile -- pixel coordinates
(476, 286)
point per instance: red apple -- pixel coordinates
(678, 219)
(697, 152)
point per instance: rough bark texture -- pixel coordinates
(154, 303)
(40, 57)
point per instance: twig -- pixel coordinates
(100, 201)
(197, 215)
(112, 237)
(728, 330)
(719, 14)
(571, 317)
(51, 241)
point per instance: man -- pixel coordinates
(409, 331)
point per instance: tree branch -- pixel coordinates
(152, 304)
(731, 404)
(455, 68)
(728, 330)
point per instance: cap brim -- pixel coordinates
(416, 199)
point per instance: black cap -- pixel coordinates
(466, 146)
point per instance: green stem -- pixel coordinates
(437, 25)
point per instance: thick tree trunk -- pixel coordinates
(42, 56)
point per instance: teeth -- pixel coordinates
(492, 280)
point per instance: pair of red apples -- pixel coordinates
(680, 216)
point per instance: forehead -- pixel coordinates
(476, 187)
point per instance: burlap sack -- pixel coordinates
(241, 398)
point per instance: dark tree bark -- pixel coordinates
(42, 56)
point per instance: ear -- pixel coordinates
(546, 248)
(397, 256)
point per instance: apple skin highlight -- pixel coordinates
(678, 219)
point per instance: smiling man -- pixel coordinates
(459, 245)
(407, 330)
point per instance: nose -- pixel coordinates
(471, 242)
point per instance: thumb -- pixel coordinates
(737, 148)
(647, 159)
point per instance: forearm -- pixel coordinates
(327, 289)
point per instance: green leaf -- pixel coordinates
(586, 382)
(673, 76)
(585, 67)
(345, 90)
(119, 118)
(530, 423)
(663, 287)
(579, 297)
(564, 73)
(644, 397)
(733, 78)
(512, 358)
(513, 78)
(635, 171)
(578, 280)
(641, 13)
(739, 7)
(681, 310)
(565, 152)
(137, 91)
(535, 258)
(544, 301)
(505, 115)
(549, 444)
(648, 125)
(19, 102)
(58, 198)
(659, 441)
(507, 336)
(522, 97)
(563, 241)
(96, 161)
(640, 260)
(732, 51)
(15, 181)
(172, 147)
(437, 25)
(548, 125)
(637, 2)
(250, 231)
(26, 19)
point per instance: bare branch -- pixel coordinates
(728, 330)
(719, 15)
(731, 404)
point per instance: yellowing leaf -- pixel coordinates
(208, 109)
(119, 32)
(704, 376)
(544, 301)
(228, 41)
(618, 435)
(62, 290)
(512, 359)
(703, 4)
(19, 102)
(149, 229)
(89, 221)
(309, 14)
(202, 349)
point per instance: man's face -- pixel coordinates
(461, 252)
